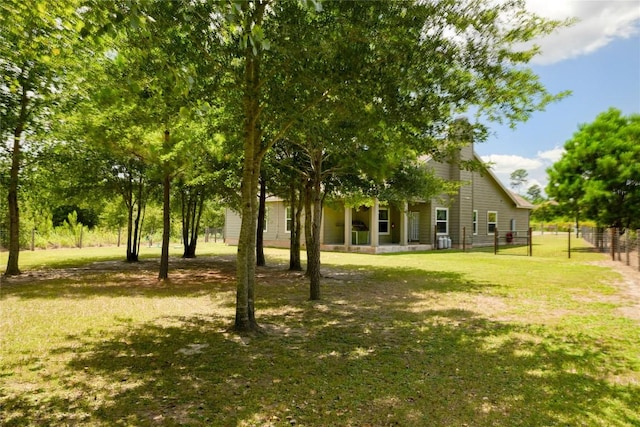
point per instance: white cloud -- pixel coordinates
(600, 22)
(507, 163)
(552, 155)
(504, 164)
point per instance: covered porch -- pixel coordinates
(378, 228)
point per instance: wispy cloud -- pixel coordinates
(551, 156)
(599, 23)
(504, 164)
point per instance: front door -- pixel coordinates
(414, 226)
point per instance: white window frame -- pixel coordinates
(386, 221)
(288, 220)
(494, 223)
(446, 221)
(474, 219)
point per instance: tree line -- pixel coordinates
(230, 101)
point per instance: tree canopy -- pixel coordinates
(598, 176)
(361, 90)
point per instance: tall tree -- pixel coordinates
(598, 176)
(519, 179)
(534, 194)
(38, 43)
(433, 58)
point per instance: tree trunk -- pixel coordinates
(14, 212)
(262, 201)
(192, 206)
(134, 227)
(313, 245)
(246, 258)
(12, 195)
(185, 204)
(195, 222)
(313, 208)
(295, 262)
(166, 219)
(130, 230)
(245, 320)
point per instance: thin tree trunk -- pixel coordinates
(262, 201)
(136, 231)
(14, 212)
(185, 201)
(12, 195)
(193, 205)
(295, 263)
(308, 237)
(166, 218)
(195, 222)
(130, 207)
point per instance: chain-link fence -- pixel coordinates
(621, 244)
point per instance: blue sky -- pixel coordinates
(598, 59)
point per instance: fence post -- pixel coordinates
(33, 239)
(495, 241)
(435, 237)
(618, 245)
(569, 243)
(119, 233)
(627, 249)
(530, 241)
(613, 246)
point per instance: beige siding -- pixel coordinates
(231, 226)
(275, 234)
(489, 196)
(333, 220)
(443, 170)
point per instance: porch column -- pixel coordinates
(347, 226)
(375, 241)
(404, 224)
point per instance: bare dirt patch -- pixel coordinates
(628, 284)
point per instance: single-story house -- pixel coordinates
(470, 218)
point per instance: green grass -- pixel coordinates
(423, 339)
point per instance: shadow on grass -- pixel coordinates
(365, 355)
(121, 279)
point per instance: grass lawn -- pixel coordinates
(422, 339)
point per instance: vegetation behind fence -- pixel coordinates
(79, 236)
(621, 244)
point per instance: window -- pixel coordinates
(383, 221)
(513, 225)
(475, 222)
(492, 222)
(287, 219)
(442, 220)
